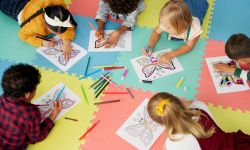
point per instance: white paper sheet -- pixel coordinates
(224, 83)
(124, 43)
(55, 54)
(68, 98)
(146, 70)
(139, 130)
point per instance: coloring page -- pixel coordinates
(225, 83)
(55, 54)
(98, 45)
(68, 98)
(146, 69)
(139, 129)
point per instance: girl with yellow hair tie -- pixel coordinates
(192, 128)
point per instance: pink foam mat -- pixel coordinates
(207, 91)
(86, 8)
(111, 117)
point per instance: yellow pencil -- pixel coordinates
(179, 82)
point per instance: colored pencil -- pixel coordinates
(98, 80)
(84, 94)
(91, 25)
(100, 86)
(70, 119)
(104, 66)
(44, 38)
(60, 93)
(106, 102)
(115, 93)
(91, 128)
(103, 87)
(130, 93)
(179, 83)
(113, 68)
(87, 67)
(113, 83)
(90, 74)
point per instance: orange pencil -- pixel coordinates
(91, 128)
(91, 25)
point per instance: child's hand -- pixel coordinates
(67, 48)
(113, 39)
(99, 34)
(166, 58)
(48, 43)
(144, 51)
(224, 68)
(57, 109)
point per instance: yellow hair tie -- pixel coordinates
(160, 106)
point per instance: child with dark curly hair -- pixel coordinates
(20, 120)
(127, 10)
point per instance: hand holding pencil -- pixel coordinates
(57, 109)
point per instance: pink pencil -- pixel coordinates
(113, 83)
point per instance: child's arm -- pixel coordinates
(29, 37)
(101, 16)
(153, 40)
(166, 58)
(224, 68)
(38, 131)
(114, 36)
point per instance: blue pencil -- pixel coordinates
(87, 67)
(90, 74)
(60, 93)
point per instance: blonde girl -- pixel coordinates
(181, 19)
(192, 128)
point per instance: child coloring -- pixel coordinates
(127, 10)
(39, 18)
(20, 120)
(176, 19)
(237, 48)
(192, 128)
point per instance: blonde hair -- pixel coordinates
(176, 118)
(178, 14)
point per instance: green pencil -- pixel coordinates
(84, 94)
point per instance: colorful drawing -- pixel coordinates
(56, 56)
(102, 42)
(225, 83)
(147, 69)
(98, 44)
(139, 129)
(68, 99)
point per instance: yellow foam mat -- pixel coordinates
(66, 133)
(150, 16)
(231, 120)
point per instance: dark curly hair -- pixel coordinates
(122, 6)
(19, 79)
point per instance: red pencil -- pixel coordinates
(91, 128)
(113, 68)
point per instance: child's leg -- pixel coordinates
(198, 8)
(12, 7)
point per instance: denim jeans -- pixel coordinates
(12, 7)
